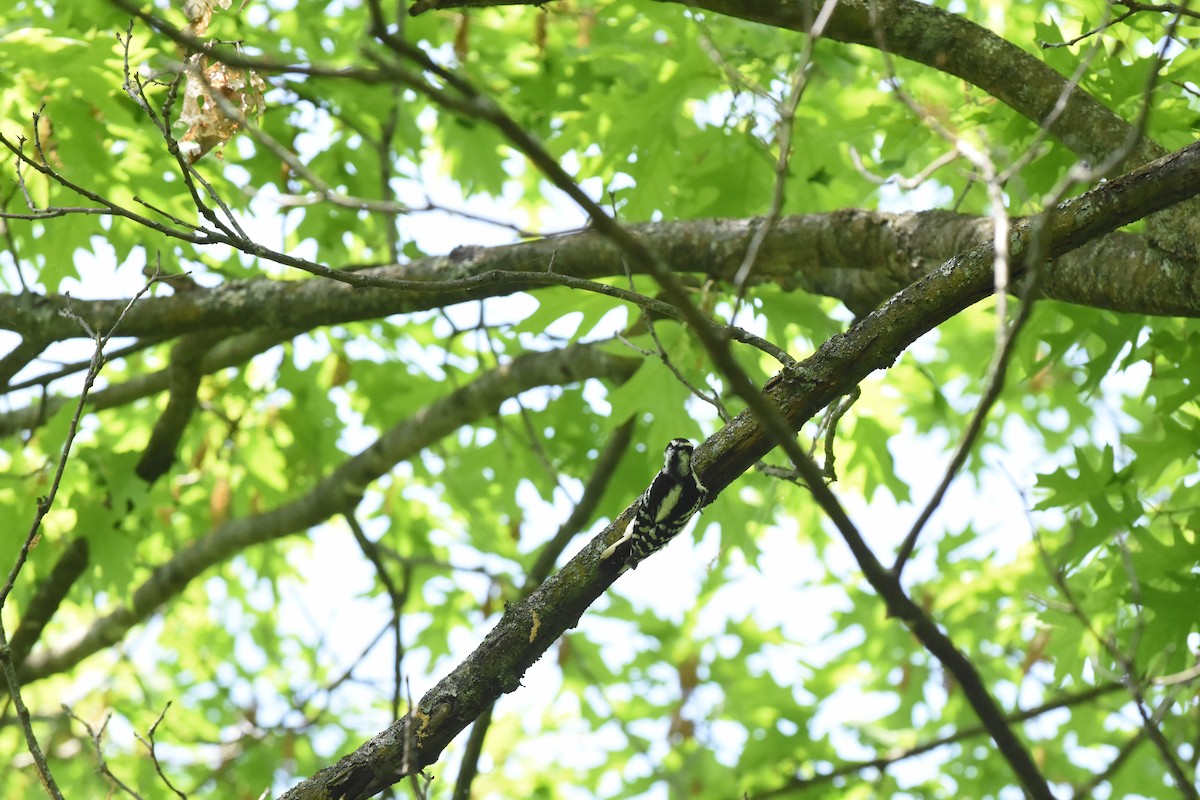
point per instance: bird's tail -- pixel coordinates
(615, 558)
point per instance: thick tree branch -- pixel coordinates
(859, 257)
(335, 492)
(184, 376)
(528, 628)
(953, 44)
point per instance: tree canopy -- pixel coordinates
(337, 341)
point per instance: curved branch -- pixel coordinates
(953, 44)
(336, 491)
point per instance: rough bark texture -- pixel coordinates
(859, 257)
(528, 628)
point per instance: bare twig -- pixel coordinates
(835, 414)
(904, 183)
(995, 385)
(1133, 8)
(44, 504)
(135, 88)
(398, 595)
(149, 744)
(786, 109)
(660, 353)
(1007, 334)
(97, 735)
(903, 754)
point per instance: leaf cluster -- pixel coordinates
(362, 489)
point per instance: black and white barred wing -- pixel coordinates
(662, 512)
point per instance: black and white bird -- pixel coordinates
(673, 498)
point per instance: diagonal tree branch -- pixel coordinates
(528, 628)
(953, 44)
(335, 492)
(606, 467)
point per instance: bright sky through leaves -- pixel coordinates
(398, 310)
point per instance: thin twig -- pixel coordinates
(904, 183)
(398, 595)
(831, 421)
(101, 764)
(784, 127)
(995, 385)
(191, 177)
(660, 353)
(149, 744)
(44, 504)
(998, 369)
(1134, 8)
(903, 754)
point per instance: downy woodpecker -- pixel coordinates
(674, 496)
